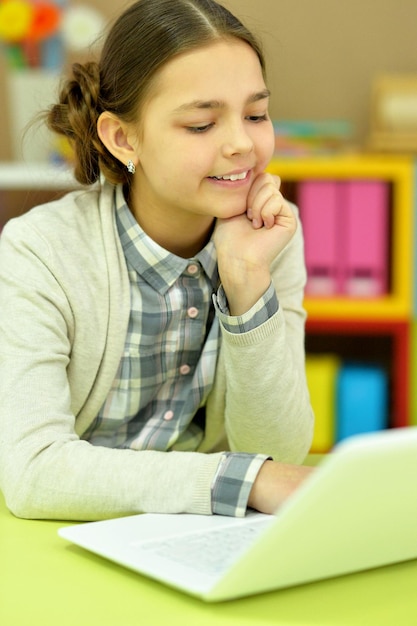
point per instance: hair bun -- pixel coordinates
(75, 116)
(86, 79)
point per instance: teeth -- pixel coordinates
(232, 177)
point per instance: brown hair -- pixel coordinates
(147, 35)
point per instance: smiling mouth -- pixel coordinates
(231, 177)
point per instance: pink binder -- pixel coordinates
(318, 203)
(365, 228)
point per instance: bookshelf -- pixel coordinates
(24, 185)
(379, 329)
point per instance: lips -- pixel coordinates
(231, 177)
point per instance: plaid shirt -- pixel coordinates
(167, 368)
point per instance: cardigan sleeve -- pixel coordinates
(260, 394)
(46, 469)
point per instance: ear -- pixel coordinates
(117, 137)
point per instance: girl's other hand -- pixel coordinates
(275, 483)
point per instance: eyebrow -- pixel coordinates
(217, 104)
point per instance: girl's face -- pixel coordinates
(204, 136)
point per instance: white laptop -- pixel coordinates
(357, 511)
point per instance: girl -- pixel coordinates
(151, 326)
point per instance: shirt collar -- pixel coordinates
(159, 267)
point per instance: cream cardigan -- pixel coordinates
(64, 308)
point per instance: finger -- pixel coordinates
(271, 209)
(277, 211)
(263, 195)
(268, 203)
(259, 182)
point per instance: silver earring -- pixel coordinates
(131, 168)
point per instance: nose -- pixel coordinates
(237, 140)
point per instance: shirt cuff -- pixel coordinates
(233, 482)
(259, 313)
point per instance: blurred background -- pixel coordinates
(323, 55)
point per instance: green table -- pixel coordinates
(46, 581)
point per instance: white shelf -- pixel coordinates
(35, 176)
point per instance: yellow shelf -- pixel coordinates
(387, 308)
(341, 166)
(399, 172)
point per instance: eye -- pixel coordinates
(199, 129)
(257, 118)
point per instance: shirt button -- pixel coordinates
(192, 312)
(168, 415)
(192, 269)
(185, 369)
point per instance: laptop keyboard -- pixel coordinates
(210, 551)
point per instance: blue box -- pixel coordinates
(362, 400)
